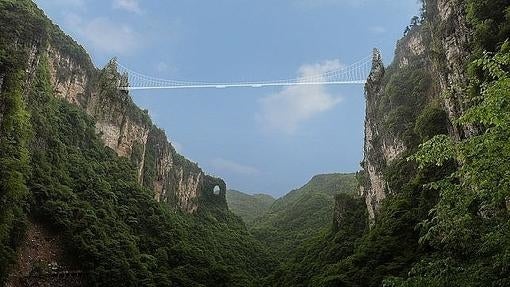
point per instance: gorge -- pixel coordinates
(91, 189)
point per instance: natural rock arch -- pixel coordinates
(216, 190)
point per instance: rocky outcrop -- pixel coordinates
(382, 145)
(174, 179)
(451, 36)
(439, 49)
(2, 108)
(373, 190)
(123, 126)
(410, 46)
(69, 79)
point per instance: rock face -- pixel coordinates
(454, 51)
(373, 190)
(439, 50)
(382, 144)
(124, 127)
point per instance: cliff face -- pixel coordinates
(428, 71)
(387, 104)
(123, 127)
(374, 188)
(451, 39)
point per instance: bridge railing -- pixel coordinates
(355, 73)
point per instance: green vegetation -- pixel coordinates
(56, 169)
(301, 213)
(405, 94)
(446, 221)
(248, 207)
(113, 227)
(351, 255)
(316, 261)
(469, 228)
(491, 23)
(432, 121)
(14, 159)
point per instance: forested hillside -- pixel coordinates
(435, 179)
(248, 207)
(56, 170)
(89, 180)
(301, 213)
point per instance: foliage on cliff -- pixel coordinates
(248, 207)
(54, 167)
(351, 255)
(446, 221)
(14, 156)
(470, 226)
(113, 227)
(490, 20)
(468, 230)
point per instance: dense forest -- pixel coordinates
(56, 170)
(301, 213)
(444, 219)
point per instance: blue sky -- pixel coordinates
(267, 140)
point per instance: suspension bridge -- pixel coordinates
(356, 73)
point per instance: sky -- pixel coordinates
(267, 140)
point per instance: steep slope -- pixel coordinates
(435, 180)
(77, 155)
(403, 108)
(423, 92)
(248, 207)
(122, 126)
(301, 213)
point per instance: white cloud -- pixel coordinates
(104, 34)
(234, 167)
(109, 36)
(165, 70)
(284, 111)
(128, 5)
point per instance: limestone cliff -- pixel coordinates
(123, 126)
(374, 188)
(390, 113)
(451, 39)
(428, 71)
